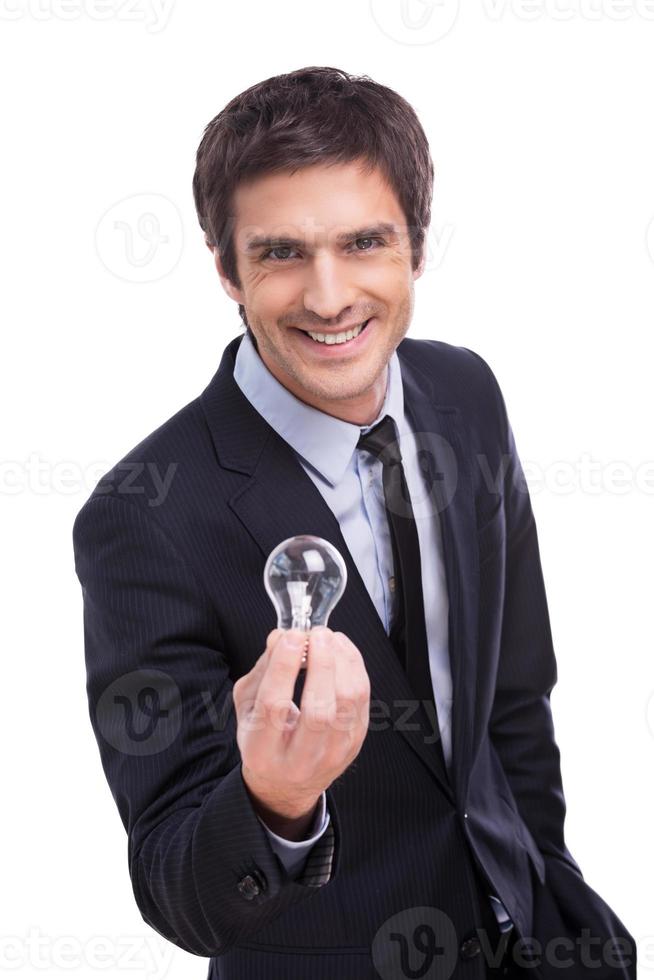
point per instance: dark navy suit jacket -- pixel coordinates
(175, 611)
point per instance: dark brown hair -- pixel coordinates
(314, 115)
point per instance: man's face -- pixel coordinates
(324, 249)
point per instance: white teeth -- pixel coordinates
(337, 338)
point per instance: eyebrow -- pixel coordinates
(274, 241)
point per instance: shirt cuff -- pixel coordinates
(292, 853)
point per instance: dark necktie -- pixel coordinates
(408, 634)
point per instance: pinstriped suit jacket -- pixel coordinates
(170, 549)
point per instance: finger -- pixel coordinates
(318, 702)
(246, 687)
(273, 637)
(351, 688)
(274, 697)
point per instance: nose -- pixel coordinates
(328, 290)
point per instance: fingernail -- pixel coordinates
(294, 640)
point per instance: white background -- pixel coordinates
(540, 124)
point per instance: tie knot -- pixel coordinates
(382, 439)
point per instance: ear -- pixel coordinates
(232, 291)
(421, 265)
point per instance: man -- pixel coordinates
(407, 818)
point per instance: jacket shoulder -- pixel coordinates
(459, 377)
(442, 359)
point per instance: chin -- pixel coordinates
(343, 391)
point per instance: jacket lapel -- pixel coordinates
(280, 500)
(442, 439)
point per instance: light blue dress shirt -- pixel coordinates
(350, 481)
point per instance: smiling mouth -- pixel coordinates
(335, 339)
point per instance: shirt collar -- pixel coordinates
(323, 441)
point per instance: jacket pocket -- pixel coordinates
(527, 841)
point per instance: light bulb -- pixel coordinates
(304, 576)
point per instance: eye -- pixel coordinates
(269, 253)
(277, 248)
(378, 241)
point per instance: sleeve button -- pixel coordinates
(470, 948)
(251, 885)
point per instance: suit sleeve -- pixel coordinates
(203, 872)
(292, 853)
(521, 723)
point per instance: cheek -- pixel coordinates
(272, 295)
(387, 281)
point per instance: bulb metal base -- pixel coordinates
(303, 662)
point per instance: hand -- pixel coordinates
(290, 755)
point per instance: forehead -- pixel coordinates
(314, 202)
